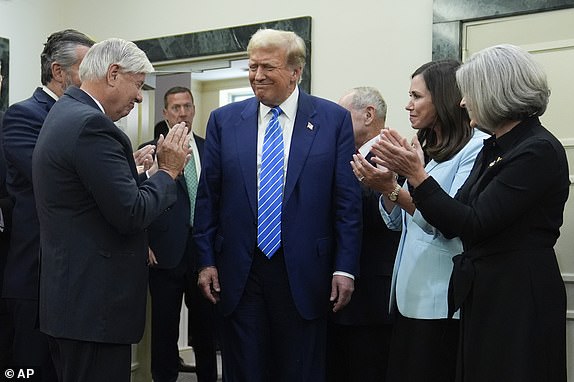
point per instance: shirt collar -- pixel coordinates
(49, 92)
(511, 138)
(366, 147)
(288, 107)
(95, 100)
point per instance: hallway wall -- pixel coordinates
(366, 42)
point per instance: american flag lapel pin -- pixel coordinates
(309, 125)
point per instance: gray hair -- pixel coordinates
(503, 83)
(125, 54)
(364, 96)
(61, 47)
(293, 45)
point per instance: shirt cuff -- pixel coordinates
(340, 273)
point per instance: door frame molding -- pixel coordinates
(450, 15)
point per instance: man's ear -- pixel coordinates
(57, 72)
(112, 75)
(297, 73)
(369, 115)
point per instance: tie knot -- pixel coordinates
(276, 111)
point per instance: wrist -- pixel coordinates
(172, 174)
(393, 196)
(416, 179)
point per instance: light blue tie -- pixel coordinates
(271, 188)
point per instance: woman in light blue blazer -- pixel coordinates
(424, 343)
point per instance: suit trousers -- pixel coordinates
(6, 322)
(358, 353)
(6, 335)
(265, 338)
(167, 289)
(30, 345)
(203, 319)
(90, 361)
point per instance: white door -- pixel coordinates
(550, 37)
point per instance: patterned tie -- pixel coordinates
(271, 187)
(190, 174)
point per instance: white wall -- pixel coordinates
(27, 23)
(364, 42)
(209, 91)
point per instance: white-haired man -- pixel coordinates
(93, 208)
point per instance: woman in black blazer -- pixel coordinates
(508, 214)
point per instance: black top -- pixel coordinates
(508, 215)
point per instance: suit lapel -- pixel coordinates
(304, 133)
(43, 98)
(246, 148)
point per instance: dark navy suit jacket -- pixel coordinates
(93, 210)
(169, 232)
(370, 302)
(6, 205)
(22, 124)
(321, 215)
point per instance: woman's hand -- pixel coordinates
(398, 155)
(377, 178)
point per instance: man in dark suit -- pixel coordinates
(6, 205)
(60, 60)
(159, 128)
(277, 264)
(93, 209)
(172, 273)
(359, 335)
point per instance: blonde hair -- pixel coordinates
(293, 45)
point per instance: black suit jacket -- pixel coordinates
(22, 124)
(169, 232)
(159, 128)
(93, 212)
(6, 205)
(370, 301)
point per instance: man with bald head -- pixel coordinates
(359, 335)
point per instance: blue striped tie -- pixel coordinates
(271, 188)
